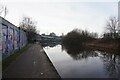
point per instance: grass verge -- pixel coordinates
(12, 57)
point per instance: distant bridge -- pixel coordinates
(47, 38)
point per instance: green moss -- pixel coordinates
(12, 57)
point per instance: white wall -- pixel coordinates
(119, 11)
(119, 15)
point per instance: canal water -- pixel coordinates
(71, 63)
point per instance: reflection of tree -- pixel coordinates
(112, 64)
(83, 55)
(79, 52)
(111, 61)
(50, 44)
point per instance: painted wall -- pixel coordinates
(12, 38)
(4, 39)
(0, 39)
(16, 39)
(23, 38)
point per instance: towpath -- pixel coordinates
(33, 63)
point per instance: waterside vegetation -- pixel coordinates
(110, 41)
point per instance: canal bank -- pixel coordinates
(33, 63)
(110, 48)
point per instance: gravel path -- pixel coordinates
(33, 63)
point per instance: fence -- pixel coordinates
(11, 38)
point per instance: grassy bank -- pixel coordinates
(102, 45)
(12, 57)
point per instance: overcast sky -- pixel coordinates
(62, 16)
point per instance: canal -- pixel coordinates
(84, 63)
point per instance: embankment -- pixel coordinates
(104, 46)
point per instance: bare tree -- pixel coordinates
(29, 26)
(112, 27)
(1, 9)
(4, 10)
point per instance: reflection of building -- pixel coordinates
(12, 37)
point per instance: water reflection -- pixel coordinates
(111, 61)
(79, 52)
(111, 64)
(50, 44)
